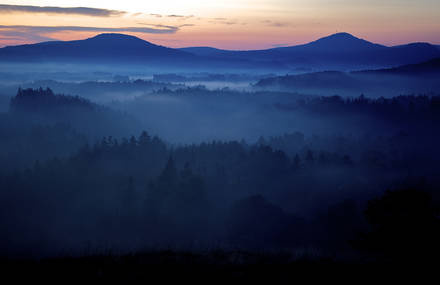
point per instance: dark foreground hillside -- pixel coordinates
(127, 208)
(214, 267)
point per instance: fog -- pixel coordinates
(127, 159)
(371, 84)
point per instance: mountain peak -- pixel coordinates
(102, 47)
(343, 36)
(114, 36)
(343, 41)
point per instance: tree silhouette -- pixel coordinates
(404, 225)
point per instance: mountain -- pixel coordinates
(341, 42)
(204, 51)
(419, 78)
(315, 82)
(103, 47)
(120, 49)
(429, 68)
(340, 51)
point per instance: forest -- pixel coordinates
(73, 180)
(122, 160)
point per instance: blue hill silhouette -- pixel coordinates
(103, 47)
(428, 68)
(339, 42)
(340, 51)
(408, 79)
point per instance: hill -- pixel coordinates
(120, 49)
(103, 47)
(340, 51)
(428, 68)
(43, 106)
(204, 51)
(407, 79)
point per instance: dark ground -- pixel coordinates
(215, 267)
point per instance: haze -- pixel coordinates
(252, 140)
(240, 24)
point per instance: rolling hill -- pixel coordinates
(120, 49)
(340, 51)
(103, 47)
(419, 78)
(429, 68)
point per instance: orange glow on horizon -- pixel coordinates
(227, 24)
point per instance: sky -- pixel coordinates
(227, 24)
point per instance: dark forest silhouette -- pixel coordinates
(63, 191)
(125, 161)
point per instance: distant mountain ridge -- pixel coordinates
(422, 78)
(340, 51)
(204, 51)
(428, 68)
(115, 47)
(338, 42)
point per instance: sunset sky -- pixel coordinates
(229, 24)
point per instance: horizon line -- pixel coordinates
(213, 47)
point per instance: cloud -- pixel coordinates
(186, 25)
(85, 11)
(167, 26)
(274, 24)
(173, 16)
(22, 36)
(39, 33)
(158, 26)
(180, 16)
(26, 34)
(225, 21)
